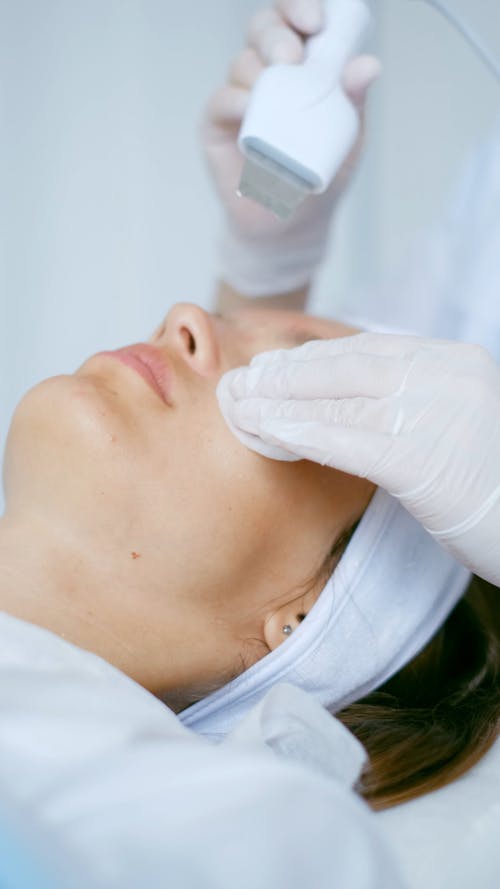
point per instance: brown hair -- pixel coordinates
(437, 717)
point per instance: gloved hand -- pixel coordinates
(258, 254)
(418, 417)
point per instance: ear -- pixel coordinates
(291, 614)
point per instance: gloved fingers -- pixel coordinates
(341, 376)
(370, 415)
(226, 108)
(348, 450)
(358, 76)
(246, 69)
(273, 40)
(307, 16)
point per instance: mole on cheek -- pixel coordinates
(135, 555)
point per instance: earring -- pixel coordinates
(287, 629)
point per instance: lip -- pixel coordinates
(150, 364)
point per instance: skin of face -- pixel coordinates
(145, 531)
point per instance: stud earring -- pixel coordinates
(287, 629)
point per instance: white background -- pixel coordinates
(106, 214)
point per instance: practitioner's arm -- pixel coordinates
(228, 299)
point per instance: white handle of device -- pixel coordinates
(299, 115)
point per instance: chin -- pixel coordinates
(61, 438)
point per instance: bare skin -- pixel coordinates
(144, 531)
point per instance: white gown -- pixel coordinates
(127, 797)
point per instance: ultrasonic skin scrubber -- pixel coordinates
(300, 126)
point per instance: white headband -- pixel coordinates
(391, 591)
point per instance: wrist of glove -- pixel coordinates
(280, 262)
(418, 417)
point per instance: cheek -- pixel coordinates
(225, 498)
(208, 471)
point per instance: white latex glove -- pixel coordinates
(418, 417)
(258, 254)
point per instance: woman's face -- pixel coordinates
(208, 549)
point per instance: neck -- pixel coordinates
(50, 579)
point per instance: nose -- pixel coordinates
(189, 330)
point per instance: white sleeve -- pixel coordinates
(449, 285)
(188, 816)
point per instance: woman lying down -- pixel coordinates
(195, 638)
(153, 546)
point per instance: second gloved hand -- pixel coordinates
(420, 418)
